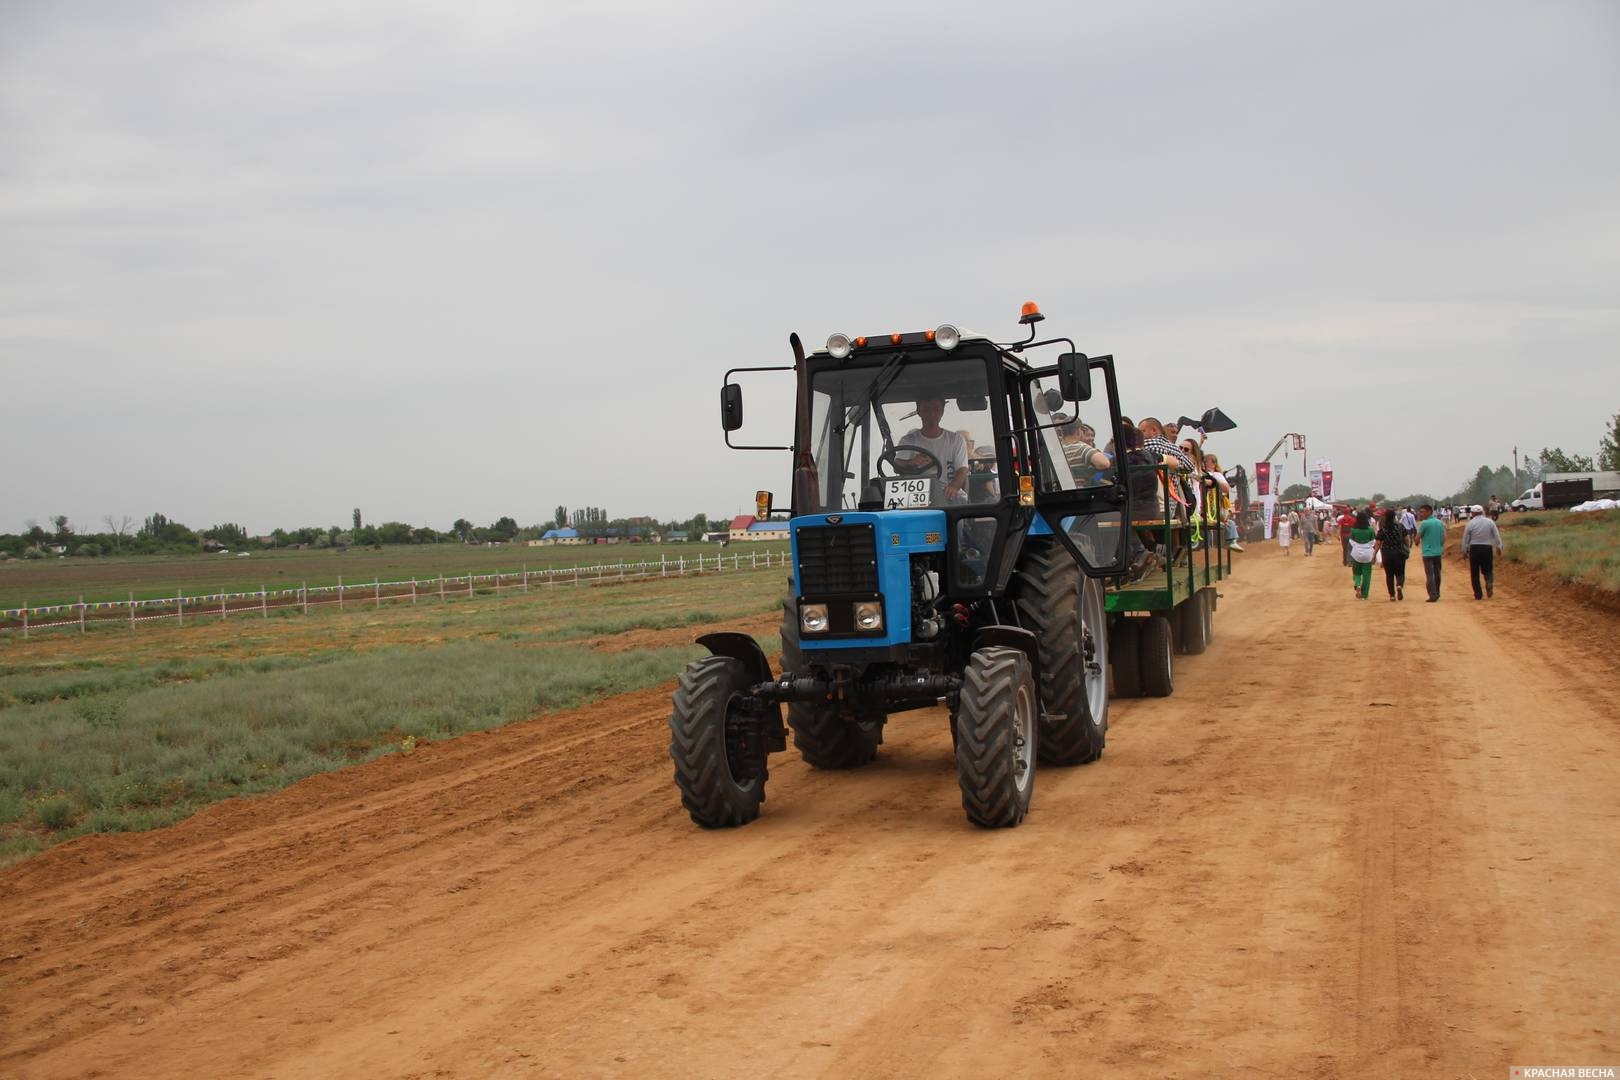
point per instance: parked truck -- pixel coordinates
(1559, 491)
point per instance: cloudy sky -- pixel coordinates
(268, 262)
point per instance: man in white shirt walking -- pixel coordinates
(1481, 540)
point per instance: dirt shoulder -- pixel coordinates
(1416, 875)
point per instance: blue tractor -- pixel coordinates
(951, 533)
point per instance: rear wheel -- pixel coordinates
(1068, 615)
(1158, 657)
(996, 736)
(827, 736)
(1124, 649)
(719, 769)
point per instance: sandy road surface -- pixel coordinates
(1421, 878)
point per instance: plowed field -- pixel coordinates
(1362, 835)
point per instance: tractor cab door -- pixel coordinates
(1081, 487)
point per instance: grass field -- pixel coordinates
(115, 732)
(59, 581)
(1576, 547)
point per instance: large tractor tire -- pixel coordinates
(721, 785)
(996, 737)
(827, 736)
(1190, 615)
(1067, 613)
(1157, 648)
(1125, 650)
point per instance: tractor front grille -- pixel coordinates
(837, 559)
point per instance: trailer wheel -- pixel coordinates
(1158, 659)
(997, 734)
(721, 777)
(1068, 614)
(826, 736)
(1208, 596)
(1124, 648)
(1190, 616)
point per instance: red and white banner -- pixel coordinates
(1327, 483)
(1262, 478)
(1316, 482)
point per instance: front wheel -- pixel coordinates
(719, 768)
(995, 737)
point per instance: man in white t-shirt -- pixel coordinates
(948, 446)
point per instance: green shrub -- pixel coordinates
(54, 813)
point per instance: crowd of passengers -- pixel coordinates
(1175, 493)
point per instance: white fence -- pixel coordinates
(180, 607)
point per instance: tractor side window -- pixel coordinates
(1070, 455)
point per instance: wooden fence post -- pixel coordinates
(264, 600)
(376, 589)
(180, 606)
(132, 610)
(525, 577)
(340, 592)
(81, 613)
(413, 588)
(25, 620)
(441, 584)
(469, 583)
(303, 595)
(222, 604)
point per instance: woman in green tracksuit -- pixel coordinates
(1361, 543)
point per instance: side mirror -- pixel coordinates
(731, 414)
(1074, 377)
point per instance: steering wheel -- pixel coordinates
(930, 468)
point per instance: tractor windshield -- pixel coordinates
(904, 433)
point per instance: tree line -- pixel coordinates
(1501, 481)
(159, 535)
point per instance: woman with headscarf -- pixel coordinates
(1363, 549)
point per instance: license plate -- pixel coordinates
(906, 494)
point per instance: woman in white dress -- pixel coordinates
(1285, 531)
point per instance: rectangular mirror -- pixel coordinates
(1074, 377)
(731, 410)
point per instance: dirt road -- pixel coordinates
(1420, 877)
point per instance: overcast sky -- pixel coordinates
(268, 262)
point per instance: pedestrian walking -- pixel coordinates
(1347, 521)
(1393, 552)
(1363, 549)
(1481, 540)
(1285, 532)
(1432, 537)
(1308, 530)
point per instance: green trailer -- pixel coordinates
(1170, 610)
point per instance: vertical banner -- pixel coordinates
(1268, 512)
(1327, 480)
(1316, 482)
(1262, 481)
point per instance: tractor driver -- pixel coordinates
(948, 446)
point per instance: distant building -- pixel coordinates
(676, 537)
(739, 526)
(767, 530)
(558, 536)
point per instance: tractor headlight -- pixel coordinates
(813, 618)
(947, 337)
(838, 346)
(869, 615)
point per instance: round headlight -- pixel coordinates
(869, 615)
(838, 346)
(813, 618)
(947, 336)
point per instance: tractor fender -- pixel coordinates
(739, 647)
(1013, 637)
